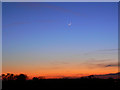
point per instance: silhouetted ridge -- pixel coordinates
(21, 82)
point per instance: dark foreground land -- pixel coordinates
(60, 83)
(21, 82)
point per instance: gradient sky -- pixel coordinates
(38, 41)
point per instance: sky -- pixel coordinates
(38, 40)
(60, 0)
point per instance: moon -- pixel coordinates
(69, 24)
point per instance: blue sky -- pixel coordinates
(39, 32)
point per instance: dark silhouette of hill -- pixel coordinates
(21, 82)
(107, 76)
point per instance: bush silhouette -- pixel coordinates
(35, 79)
(21, 82)
(8, 76)
(21, 77)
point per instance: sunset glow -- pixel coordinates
(58, 40)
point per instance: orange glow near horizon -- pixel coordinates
(37, 41)
(61, 69)
(62, 72)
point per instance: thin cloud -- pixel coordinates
(54, 7)
(92, 66)
(59, 63)
(59, 8)
(103, 51)
(93, 63)
(109, 50)
(108, 65)
(99, 60)
(28, 22)
(112, 65)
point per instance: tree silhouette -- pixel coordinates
(8, 76)
(91, 76)
(21, 81)
(11, 77)
(35, 79)
(4, 77)
(21, 77)
(41, 77)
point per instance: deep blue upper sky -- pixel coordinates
(35, 30)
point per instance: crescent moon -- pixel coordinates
(70, 24)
